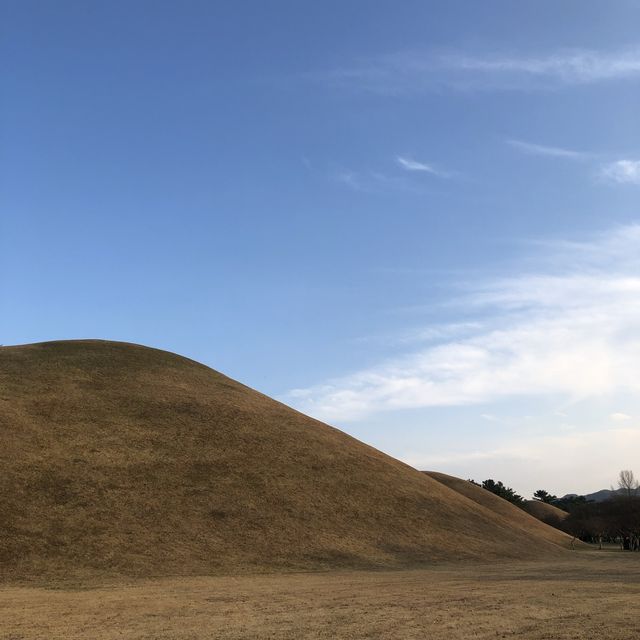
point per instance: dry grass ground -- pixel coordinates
(589, 596)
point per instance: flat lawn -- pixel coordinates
(592, 595)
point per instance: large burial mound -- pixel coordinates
(120, 459)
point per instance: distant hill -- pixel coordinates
(599, 496)
(119, 459)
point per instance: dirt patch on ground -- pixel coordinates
(591, 596)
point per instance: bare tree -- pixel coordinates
(627, 481)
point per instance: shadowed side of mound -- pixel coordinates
(119, 459)
(504, 509)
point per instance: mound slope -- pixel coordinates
(125, 460)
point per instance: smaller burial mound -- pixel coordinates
(548, 513)
(509, 513)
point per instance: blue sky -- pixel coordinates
(417, 221)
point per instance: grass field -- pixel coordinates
(590, 596)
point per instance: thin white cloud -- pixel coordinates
(542, 150)
(415, 71)
(571, 333)
(581, 462)
(577, 66)
(622, 172)
(375, 182)
(350, 179)
(620, 417)
(432, 333)
(413, 165)
(615, 172)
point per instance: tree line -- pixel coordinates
(616, 519)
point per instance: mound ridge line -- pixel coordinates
(123, 460)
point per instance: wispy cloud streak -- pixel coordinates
(374, 182)
(571, 331)
(416, 71)
(622, 172)
(577, 66)
(542, 150)
(617, 172)
(409, 164)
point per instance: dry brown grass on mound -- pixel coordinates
(118, 459)
(548, 513)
